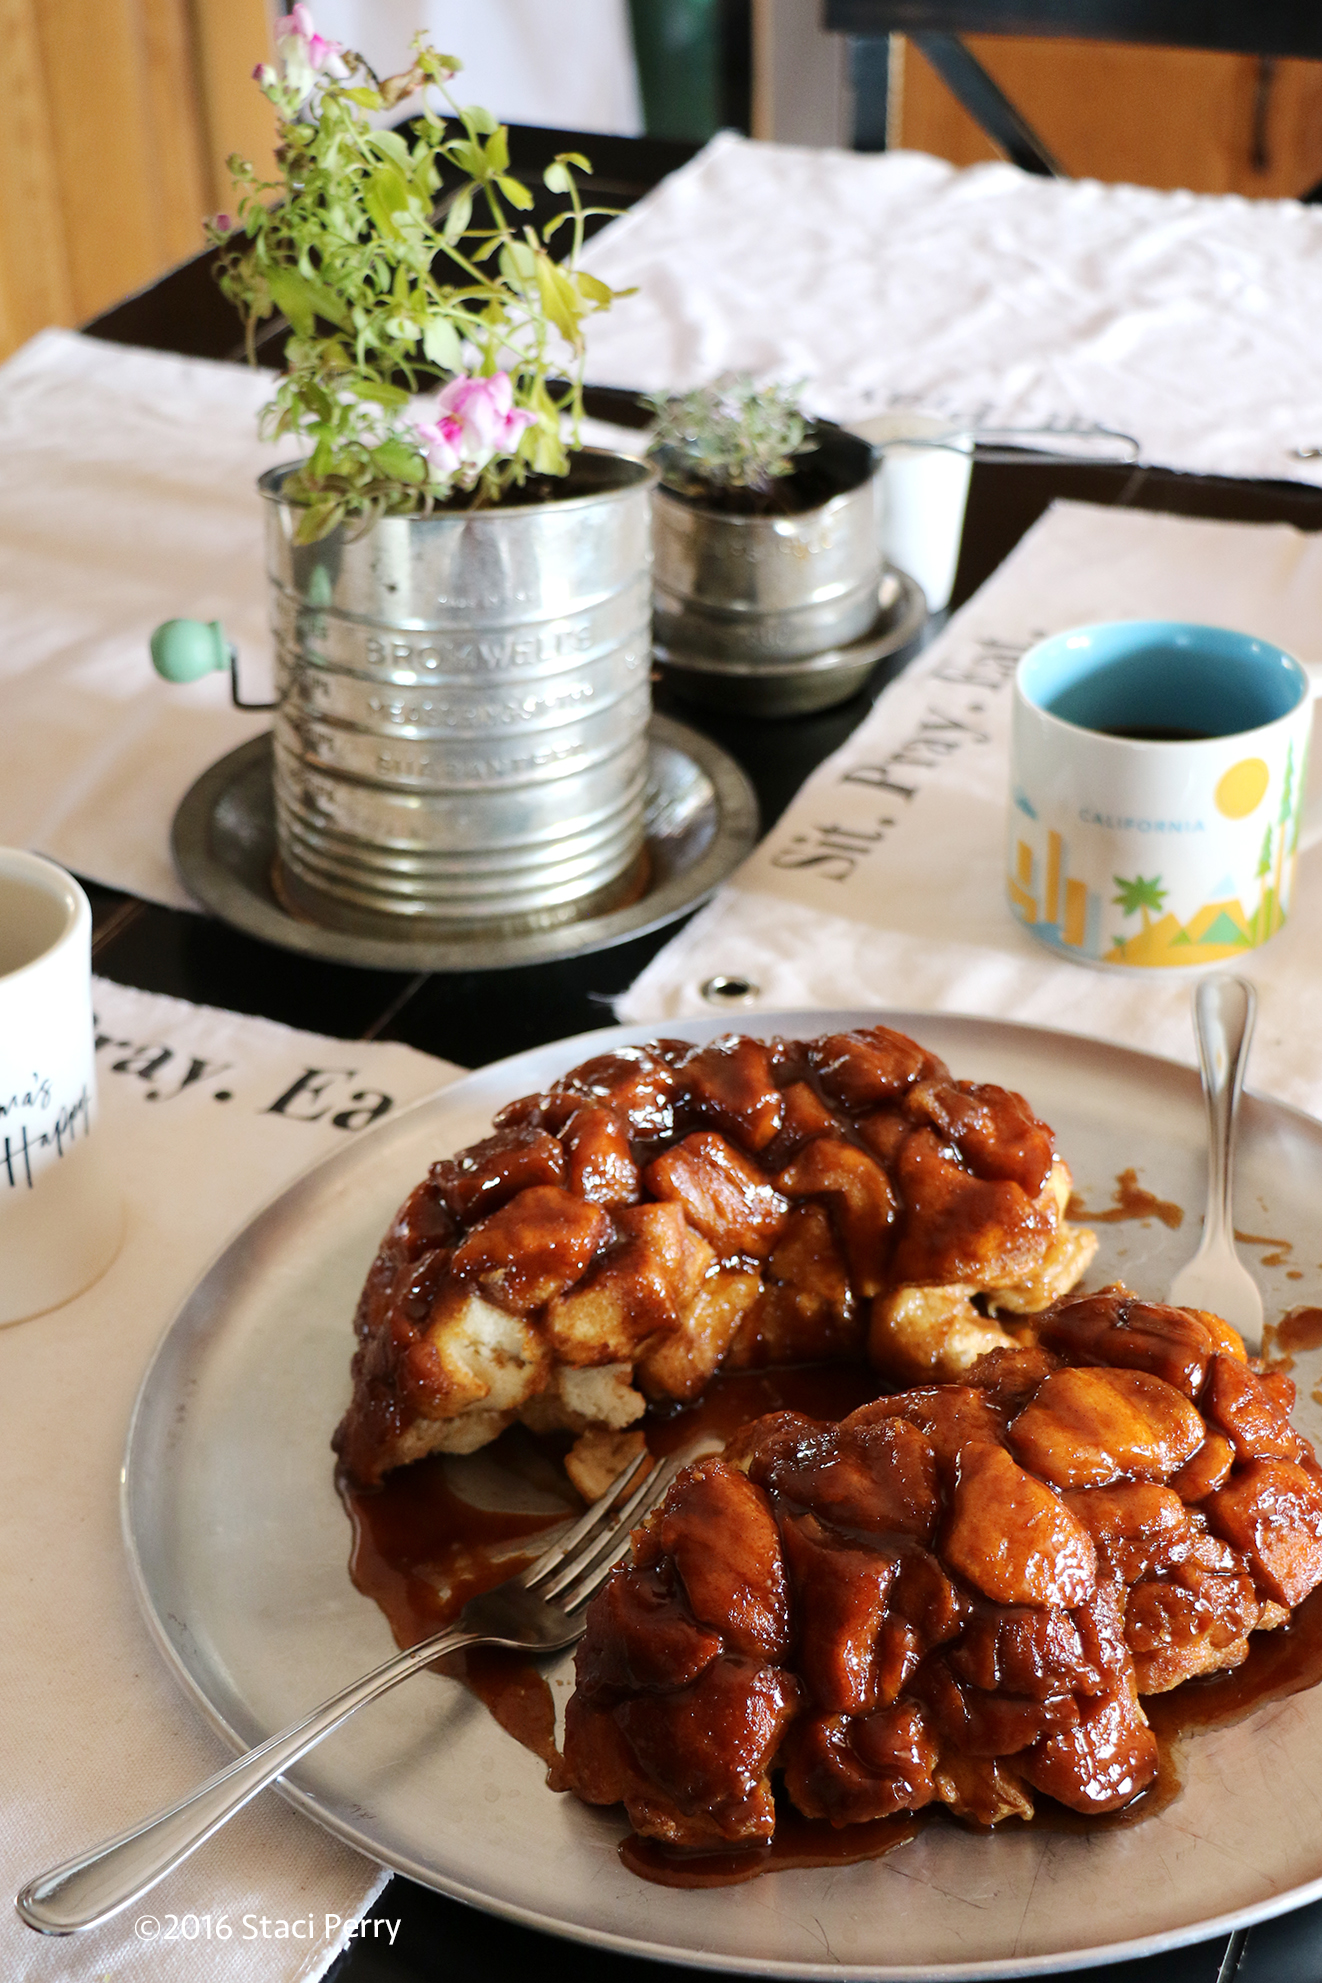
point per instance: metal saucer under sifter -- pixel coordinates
(701, 822)
(808, 682)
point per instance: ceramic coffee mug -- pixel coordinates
(61, 1215)
(1157, 773)
(922, 490)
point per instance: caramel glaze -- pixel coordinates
(420, 1551)
(798, 1842)
(692, 1758)
(1301, 1329)
(1129, 1201)
(1282, 1248)
(791, 1183)
(1280, 1663)
(734, 1399)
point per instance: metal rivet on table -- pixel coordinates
(722, 990)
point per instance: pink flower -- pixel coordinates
(485, 410)
(223, 223)
(297, 25)
(443, 444)
(303, 52)
(476, 419)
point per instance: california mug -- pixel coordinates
(1157, 772)
(61, 1214)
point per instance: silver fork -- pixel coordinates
(540, 1611)
(1224, 1009)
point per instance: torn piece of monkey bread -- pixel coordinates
(956, 1595)
(669, 1209)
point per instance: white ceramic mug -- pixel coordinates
(1156, 792)
(922, 490)
(61, 1214)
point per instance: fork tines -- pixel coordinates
(576, 1566)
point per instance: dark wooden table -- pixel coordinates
(476, 1017)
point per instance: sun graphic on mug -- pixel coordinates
(1241, 789)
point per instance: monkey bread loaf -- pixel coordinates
(956, 1595)
(667, 1210)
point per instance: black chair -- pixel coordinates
(1265, 28)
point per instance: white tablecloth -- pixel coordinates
(1186, 320)
(126, 498)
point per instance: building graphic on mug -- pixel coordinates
(1168, 917)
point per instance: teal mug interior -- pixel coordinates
(1162, 681)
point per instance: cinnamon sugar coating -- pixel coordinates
(667, 1210)
(950, 1608)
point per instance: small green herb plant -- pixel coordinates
(731, 434)
(401, 266)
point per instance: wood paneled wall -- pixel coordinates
(119, 116)
(1152, 116)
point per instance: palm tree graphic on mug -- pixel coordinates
(1138, 895)
(1277, 845)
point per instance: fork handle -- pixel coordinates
(86, 1890)
(1224, 1011)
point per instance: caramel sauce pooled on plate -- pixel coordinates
(1130, 1201)
(1301, 1329)
(1281, 1248)
(798, 1842)
(420, 1551)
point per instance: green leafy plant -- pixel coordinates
(731, 434)
(401, 263)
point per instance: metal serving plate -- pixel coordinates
(701, 822)
(814, 681)
(238, 1547)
